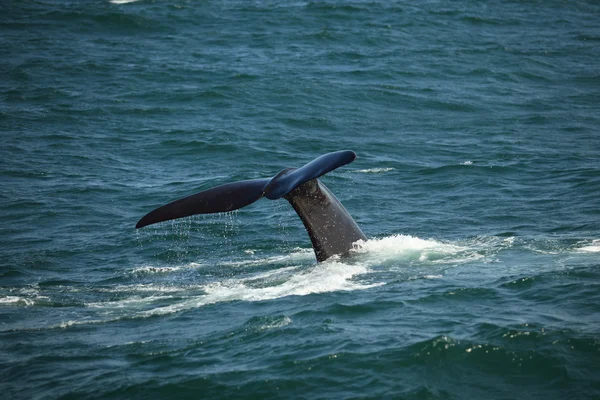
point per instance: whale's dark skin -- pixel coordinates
(330, 227)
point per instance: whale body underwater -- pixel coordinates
(331, 229)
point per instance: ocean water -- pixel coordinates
(476, 126)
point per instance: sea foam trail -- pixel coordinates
(289, 281)
(292, 274)
(329, 276)
(299, 280)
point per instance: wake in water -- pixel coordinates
(168, 290)
(289, 275)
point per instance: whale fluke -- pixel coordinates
(330, 227)
(228, 197)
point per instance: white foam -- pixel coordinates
(468, 162)
(411, 248)
(594, 247)
(149, 269)
(16, 300)
(142, 288)
(122, 1)
(134, 301)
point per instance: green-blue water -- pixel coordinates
(478, 179)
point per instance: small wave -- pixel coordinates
(122, 1)
(374, 170)
(142, 288)
(556, 247)
(259, 324)
(278, 323)
(151, 270)
(148, 270)
(67, 324)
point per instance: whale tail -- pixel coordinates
(330, 227)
